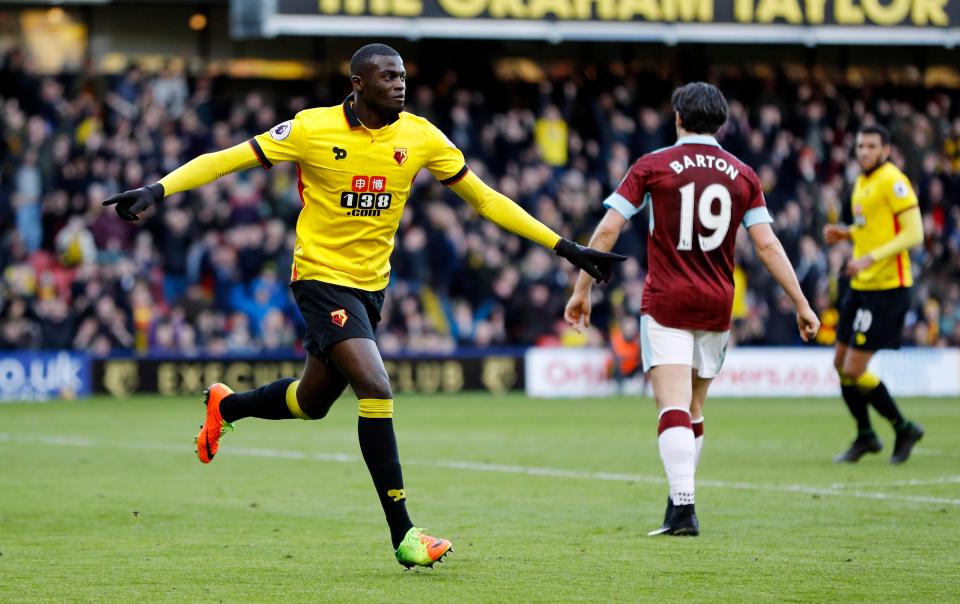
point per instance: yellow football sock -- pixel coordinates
(376, 407)
(292, 404)
(868, 381)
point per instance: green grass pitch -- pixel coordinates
(545, 501)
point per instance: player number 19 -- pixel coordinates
(718, 223)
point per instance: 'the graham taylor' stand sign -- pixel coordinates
(910, 22)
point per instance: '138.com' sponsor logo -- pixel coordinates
(368, 196)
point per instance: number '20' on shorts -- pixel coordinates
(873, 320)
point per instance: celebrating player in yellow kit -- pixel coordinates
(886, 224)
(356, 164)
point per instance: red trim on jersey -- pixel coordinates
(294, 276)
(896, 230)
(674, 418)
(300, 186)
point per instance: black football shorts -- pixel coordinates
(334, 313)
(873, 320)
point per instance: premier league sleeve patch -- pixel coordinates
(900, 189)
(281, 131)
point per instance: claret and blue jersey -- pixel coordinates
(695, 191)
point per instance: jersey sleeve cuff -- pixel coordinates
(756, 216)
(621, 204)
(261, 157)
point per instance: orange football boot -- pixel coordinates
(418, 549)
(208, 440)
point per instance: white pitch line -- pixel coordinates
(720, 484)
(537, 471)
(914, 482)
(934, 452)
(831, 491)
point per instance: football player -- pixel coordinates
(886, 224)
(356, 163)
(697, 195)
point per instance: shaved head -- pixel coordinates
(366, 55)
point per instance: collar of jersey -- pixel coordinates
(876, 169)
(354, 122)
(698, 139)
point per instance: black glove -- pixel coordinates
(132, 203)
(598, 265)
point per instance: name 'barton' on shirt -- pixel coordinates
(700, 160)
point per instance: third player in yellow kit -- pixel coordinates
(355, 163)
(886, 224)
(883, 202)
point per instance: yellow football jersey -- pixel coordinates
(878, 199)
(354, 184)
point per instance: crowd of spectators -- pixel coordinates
(205, 273)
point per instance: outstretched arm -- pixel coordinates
(196, 172)
(209, 167)
(774, 258)
(502, 211)
(506, 214)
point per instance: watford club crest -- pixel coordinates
(400, 155)
(339, 317)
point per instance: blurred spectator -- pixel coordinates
(170, 91)
(626, 360)
(74, 243)
(551, 134)
(26, 200)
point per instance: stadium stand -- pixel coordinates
(206, 273)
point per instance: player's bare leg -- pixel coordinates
(672, 386)
(700, 386)
(321, 384)
(874, 392)
(359, 361)
(673, 391)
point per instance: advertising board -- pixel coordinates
(41, 376)
(754, 372)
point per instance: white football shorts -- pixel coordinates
(701, 350)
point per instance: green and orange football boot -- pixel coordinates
(208, 440)
(418, 549)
